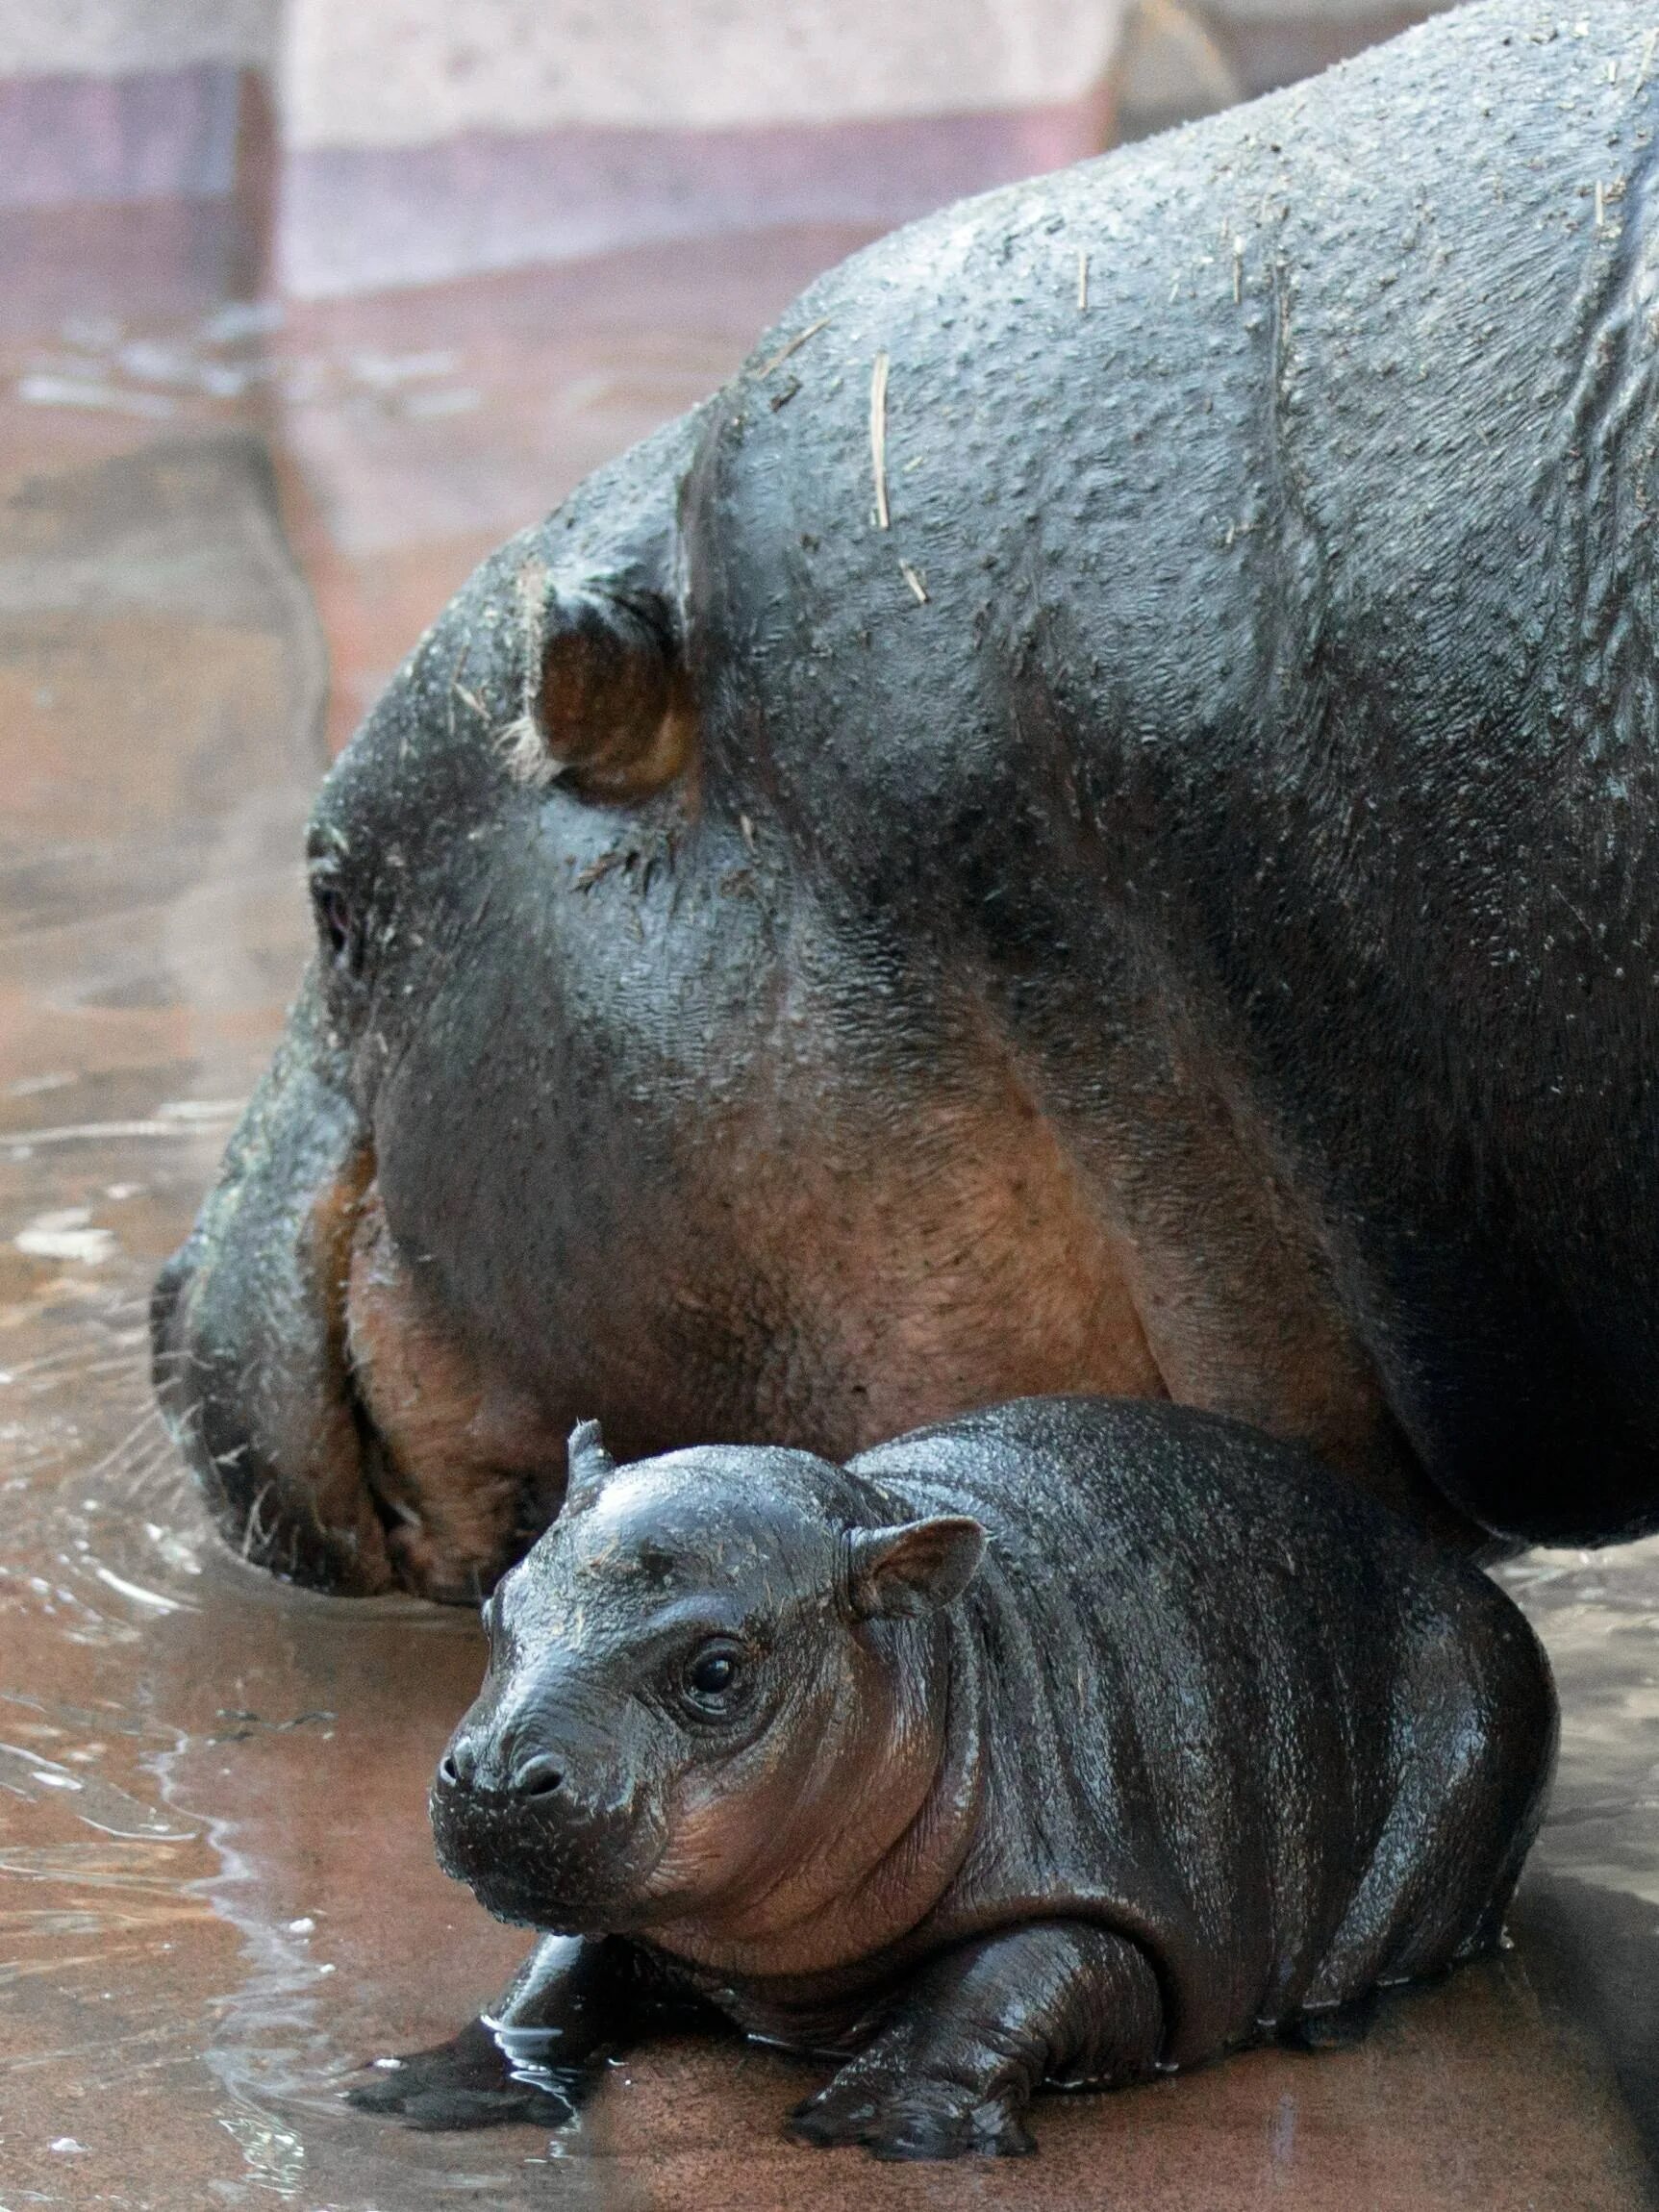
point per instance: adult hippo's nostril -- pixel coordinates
(538, 1777)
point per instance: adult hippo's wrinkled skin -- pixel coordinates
(1172, 913)
(1034, 1746)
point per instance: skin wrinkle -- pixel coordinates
(834, 1899)
(1605, 397)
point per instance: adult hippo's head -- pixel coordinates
(597, 1100)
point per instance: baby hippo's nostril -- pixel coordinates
(538, 1777)
(458, 1766)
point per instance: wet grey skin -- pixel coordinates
(1068, 1742)
(1088, 822)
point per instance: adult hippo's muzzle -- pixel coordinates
(249, 1338)
(342, 1435)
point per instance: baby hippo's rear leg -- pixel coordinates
(955, 2065)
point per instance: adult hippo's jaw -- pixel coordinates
(357, 1428)
(342, 1433)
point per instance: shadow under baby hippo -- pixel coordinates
(1069, 1742)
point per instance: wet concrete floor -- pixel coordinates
(217, 1887)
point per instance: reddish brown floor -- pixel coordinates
(216, 1889)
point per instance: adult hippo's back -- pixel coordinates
(1088, 822)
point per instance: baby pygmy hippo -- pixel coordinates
(1073, 1740)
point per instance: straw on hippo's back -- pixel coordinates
(1066, 1740)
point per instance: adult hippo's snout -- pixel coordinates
(248, 1329)
(340, 1434)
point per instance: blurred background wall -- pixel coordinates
(440, 257)
(423, 138)
(376, 142)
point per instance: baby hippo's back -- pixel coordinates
(1231, 1707)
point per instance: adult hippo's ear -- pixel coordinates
(913, 1568)
(588, 1466)
(606, 706)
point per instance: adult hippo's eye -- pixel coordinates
(711, 1676)
(337, 923)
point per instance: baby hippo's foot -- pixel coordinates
(467, 2082)
(953, 2071)
(572, 2000)
(1333, 2027)
(897, 2112)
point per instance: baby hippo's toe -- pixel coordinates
(1333, 2027)
(916, 2118)
(463, 2083)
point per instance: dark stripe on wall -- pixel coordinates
(169, 135)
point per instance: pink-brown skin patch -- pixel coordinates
(976, 1265)
(464, 1467)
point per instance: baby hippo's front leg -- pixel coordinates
(572, 1998)
(955, 2066)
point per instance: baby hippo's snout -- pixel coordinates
(543, 1799)
(533, 1809)
(534, 1775)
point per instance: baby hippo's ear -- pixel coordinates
(914, 1567)
(587, 1465)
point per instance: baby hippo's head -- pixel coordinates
(714, 1666)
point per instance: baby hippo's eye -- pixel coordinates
(710, 1675)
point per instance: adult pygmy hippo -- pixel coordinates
(1089, 822)
(1067, 1740)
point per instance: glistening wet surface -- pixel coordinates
(217, 1887)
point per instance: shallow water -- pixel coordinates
(217, 1887)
